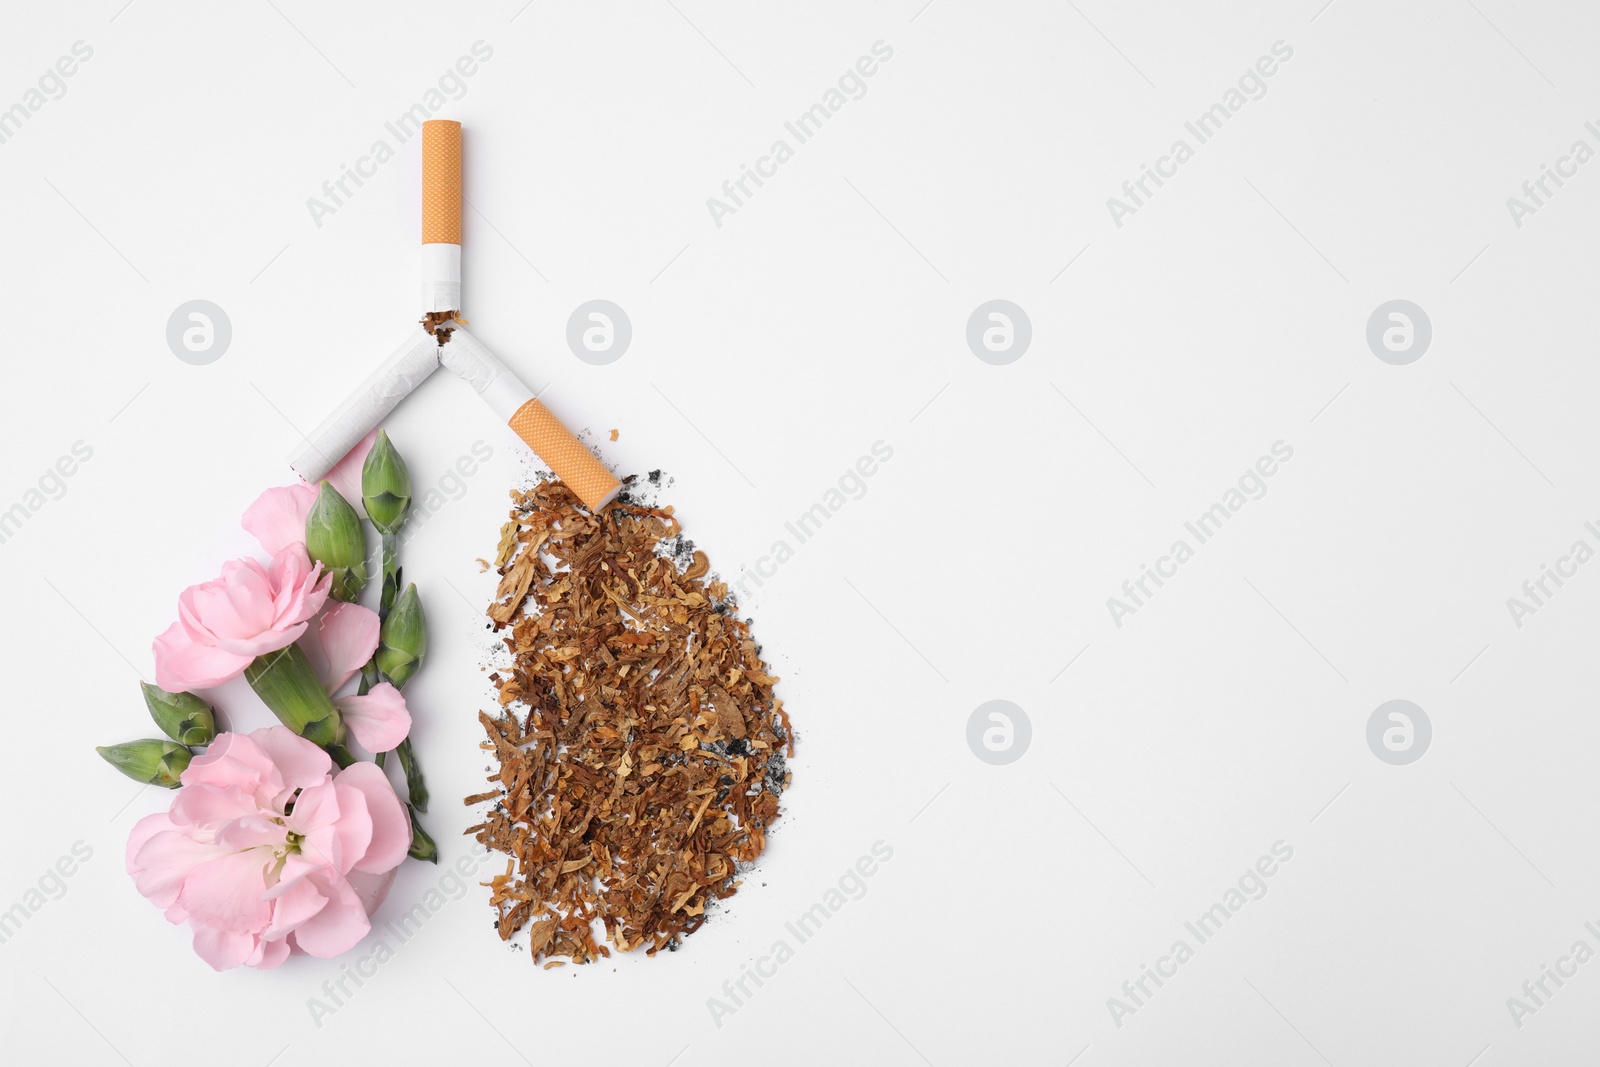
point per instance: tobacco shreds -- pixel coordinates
(641, 751)
(438, 323)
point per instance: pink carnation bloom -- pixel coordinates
(227, 622)
(265, 851)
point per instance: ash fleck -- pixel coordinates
(777, 773)
(643, 491)
(679, 549)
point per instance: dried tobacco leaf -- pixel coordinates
(641, 751)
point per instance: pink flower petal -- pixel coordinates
(182, 664)
(299, 588)
(373, 889)
(211, 807)
(299, 763)
(354, 829)
(348, 634)
(227, 892)
(391, 825)
(223, 949)
(271, 954)
(143, 831)
(217, 610)
(236, 761)
(334, 825)
(339, 926)
(164, 861)
(190, 618)
(237, 605)
(252, 831)
(297, 868)
(278, 517)
(268, 640)
(379, 719)
(293, 908)
(314, 809)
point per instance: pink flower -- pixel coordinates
(348, 635)
(265, 851)
(278, 517)
(225, 623)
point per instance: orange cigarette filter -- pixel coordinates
(441, 182)
(574, 464)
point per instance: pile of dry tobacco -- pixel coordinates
(639, 743)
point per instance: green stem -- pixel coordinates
(417, 789)
(422, 846)
(408, 761)
(370, 677)
(391, 574)
(341, 755)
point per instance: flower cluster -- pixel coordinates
(282, 839)
(265, 850)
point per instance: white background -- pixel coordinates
(769, 353)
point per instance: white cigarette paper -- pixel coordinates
(441, 277)
(402, 372)
(480, 368)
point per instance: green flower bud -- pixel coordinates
(403, 641)
(286, 683)
(334, 538)
(150, 761)
(385, 486)
(183, 717)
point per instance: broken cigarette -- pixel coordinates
(422, 352)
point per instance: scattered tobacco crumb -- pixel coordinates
(640, 749)
(613, 435)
